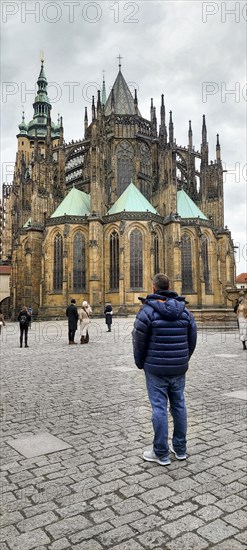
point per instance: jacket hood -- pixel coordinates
(171, 306)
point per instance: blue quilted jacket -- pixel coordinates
(164, 334)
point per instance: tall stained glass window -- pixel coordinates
(79, 264)
(187, 276)
(114, 261)
(58, 263)
(206, 270)
(125, 166)
(136, 259)
(156, 255)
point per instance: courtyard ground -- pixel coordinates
(98, 493)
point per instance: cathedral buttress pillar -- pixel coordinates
(96, 260)
(121, 278)
(176, 245)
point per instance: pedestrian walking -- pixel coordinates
(108, 315)
(84, 314)
(72, 315)
(24, 320)
(164, 338)
(2, 322)
(242, 321)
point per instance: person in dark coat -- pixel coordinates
(108, 315)
(30, 311)
(24, 319)
(164, 339)
(72, 315)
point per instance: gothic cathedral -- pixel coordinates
(97, 218)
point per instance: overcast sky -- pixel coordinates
(192, 51)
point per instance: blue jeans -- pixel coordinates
(160, 389)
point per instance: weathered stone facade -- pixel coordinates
(187, 240)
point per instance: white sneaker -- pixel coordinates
(150, 456)
(178, 457)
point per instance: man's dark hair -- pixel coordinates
(73, 301)
(161, 281)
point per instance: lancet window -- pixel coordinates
(156, 255)
(205, 261)
(187, 274)
(136, 259)
(79, 264)
(125, 166)
(114, 261)
(58, 263)
(145, 160)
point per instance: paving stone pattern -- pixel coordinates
(99, 494)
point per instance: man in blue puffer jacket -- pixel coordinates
(164, 338)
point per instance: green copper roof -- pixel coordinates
(132, 200)
(42, 108)
(42, 77)
(76, 203)
(187, 208)
(23, 125)
(42, 97)
(28, 223)
(123, 99)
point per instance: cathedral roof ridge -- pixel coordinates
(121, 97)
(132, 200)
(76, 203)
(187, 208)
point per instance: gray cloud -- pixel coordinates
(169, 49)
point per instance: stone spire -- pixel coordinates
(152, 109)
(153, 119)
(61, 131)
(98, 102)
(155, 123)
(85, 121)
(103, 91)
(218, 153)
(93, 109)
(190, 135)
(136, 102)
(171, 130)
(163, 130)
(204, 144)
(204, 130)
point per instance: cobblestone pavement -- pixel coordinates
(99, 493)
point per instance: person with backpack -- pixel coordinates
(24, 319)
